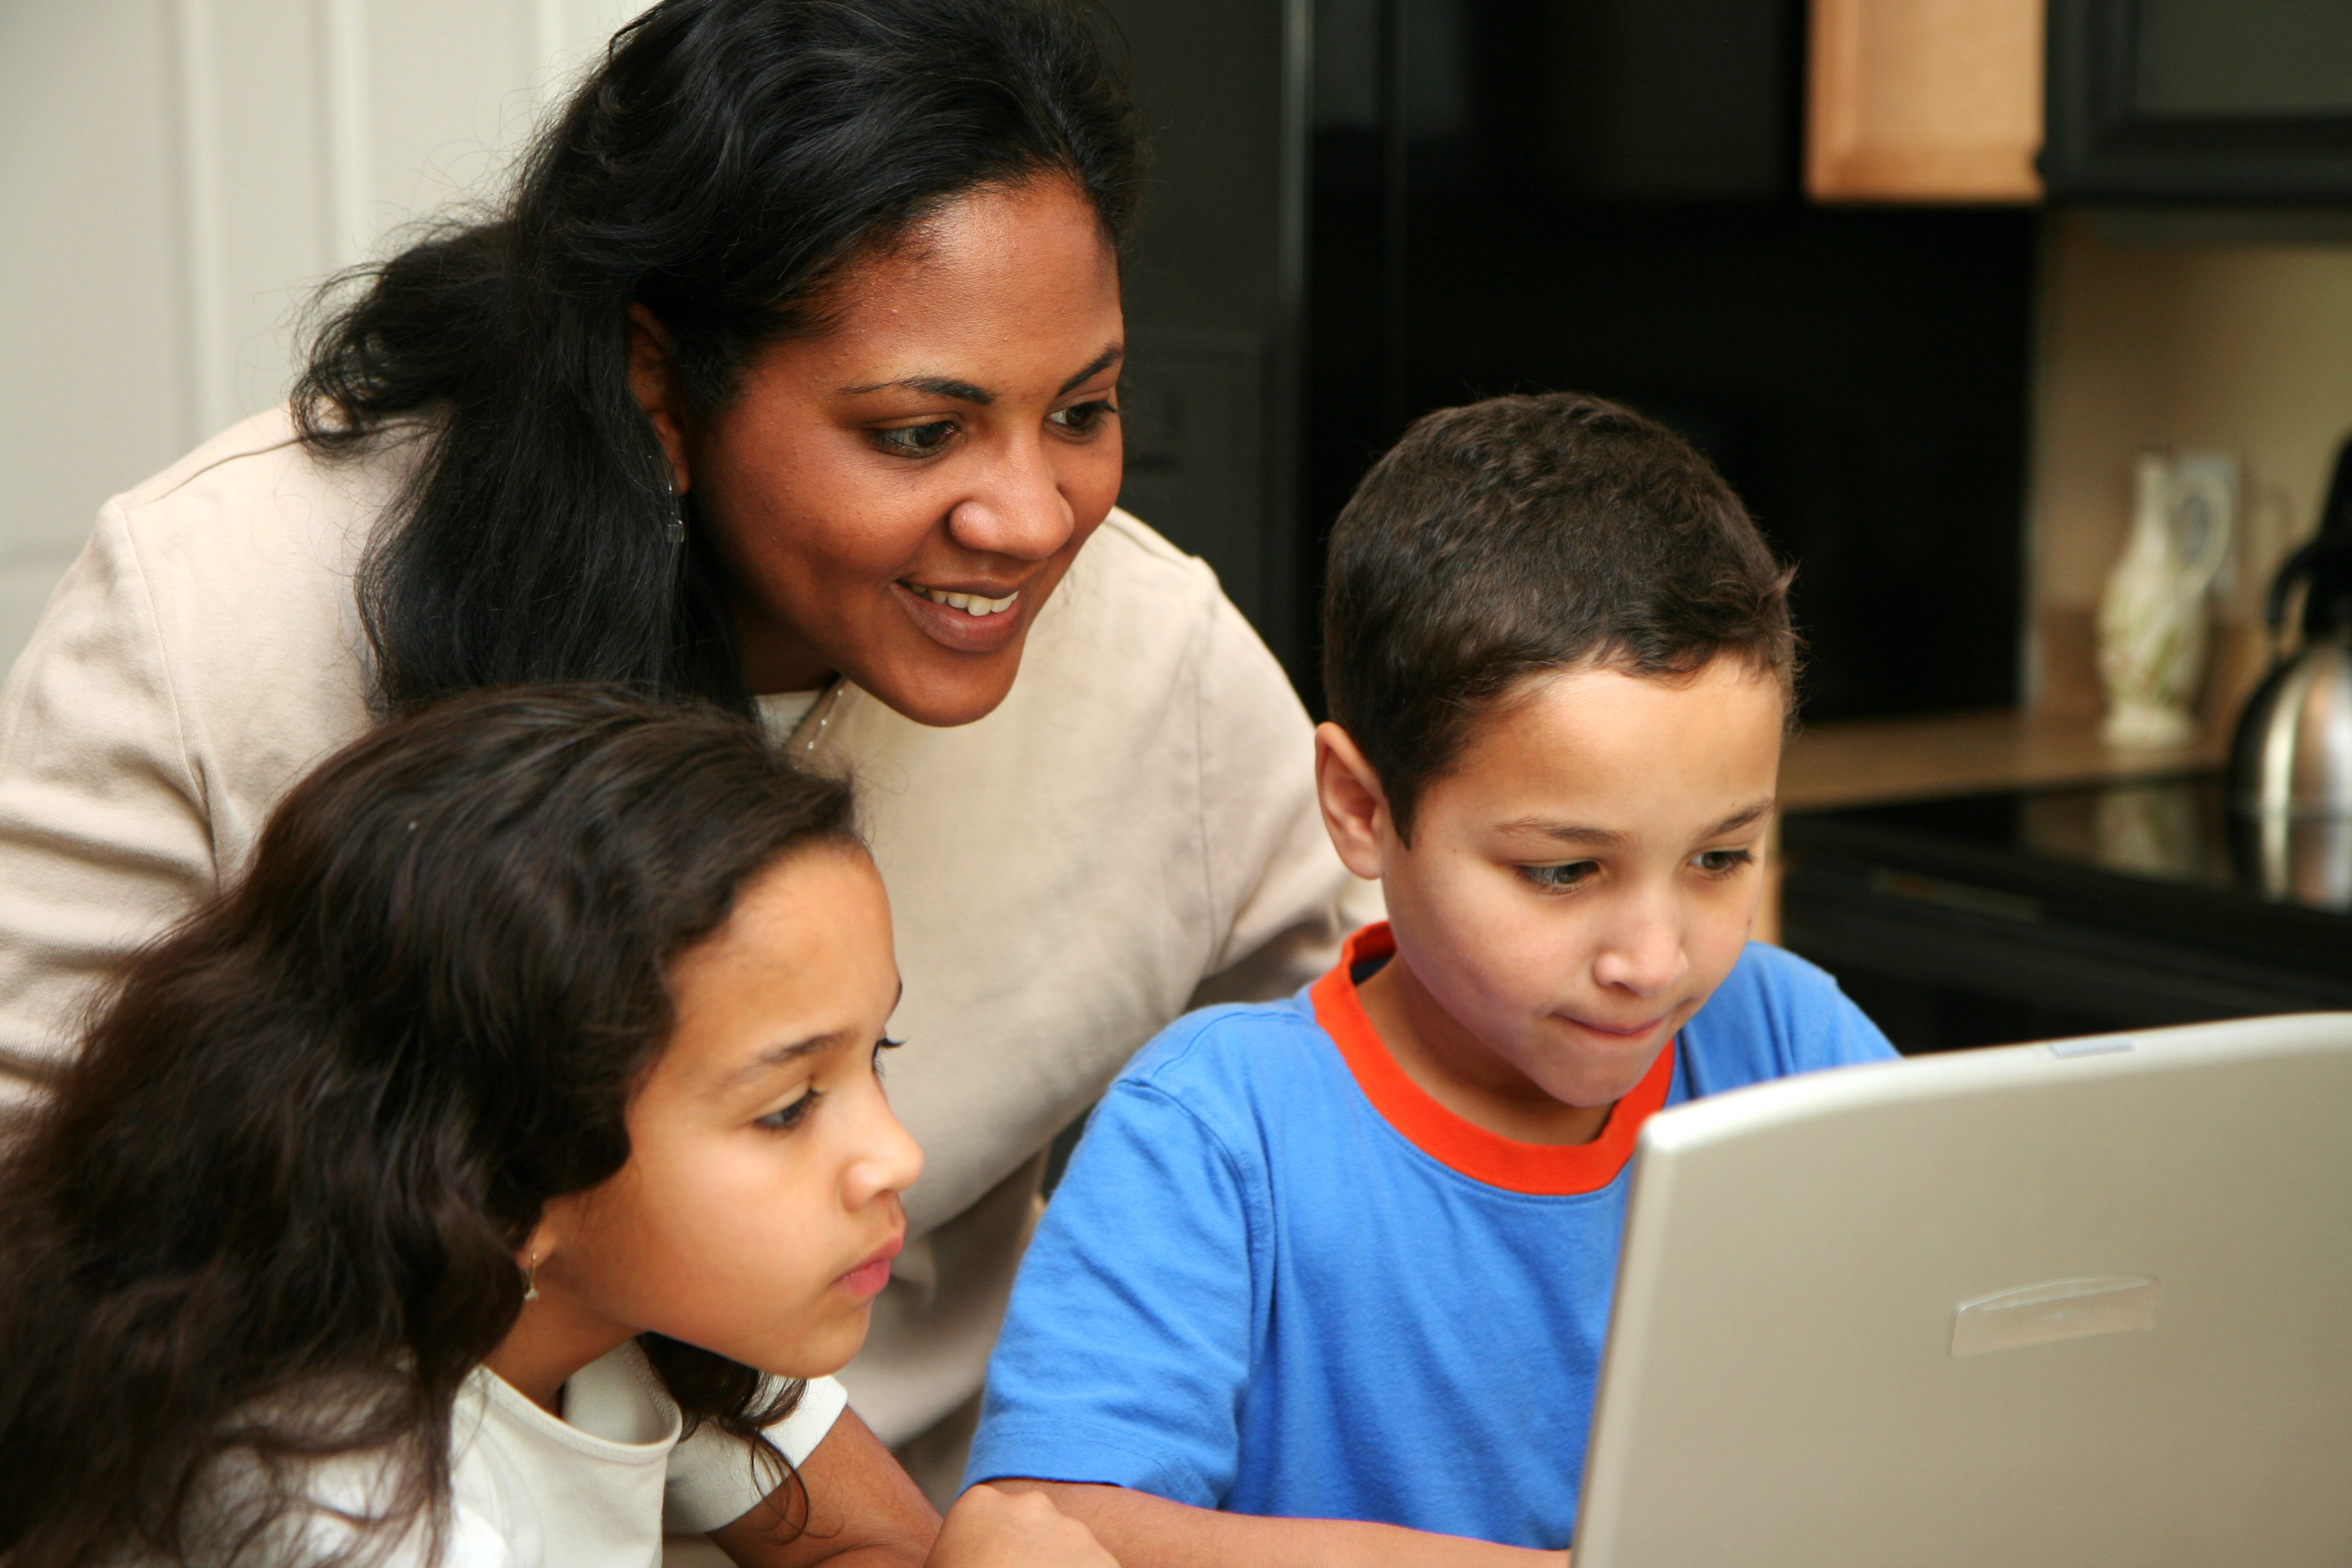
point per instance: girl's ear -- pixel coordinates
(653, 382)
(1355, 812)
(546, 1239)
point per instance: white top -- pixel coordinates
(1132, 830)
(596, 1488)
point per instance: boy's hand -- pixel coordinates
(990, 1529)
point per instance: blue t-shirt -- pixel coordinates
(1279, 1278)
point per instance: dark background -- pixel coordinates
(1377, 207)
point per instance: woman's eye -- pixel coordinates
(1723, 862)
(1554, 877)
(917, 440)
(885, 1043)
(791, 1115)
(1085, 418)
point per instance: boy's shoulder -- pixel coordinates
(1776, 1014)
(1233, 1054)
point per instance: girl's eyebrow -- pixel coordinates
(784, 1055)
(776, 1056)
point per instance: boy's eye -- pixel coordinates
(1085, 418)
(1723, 862)
(1555, 878)
(791, 1116)
(916, 440)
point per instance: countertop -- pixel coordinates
(1865, 761)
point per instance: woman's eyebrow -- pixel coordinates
(1095, 367)
(936, 385)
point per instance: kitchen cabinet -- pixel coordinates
(1924, 101)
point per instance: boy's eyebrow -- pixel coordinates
(1742, 818)
(1610, 838)
(1569, 832)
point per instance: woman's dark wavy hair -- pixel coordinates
(272, 1212)
(719, 169)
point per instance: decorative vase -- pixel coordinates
(2152, 620)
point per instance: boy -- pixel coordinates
(1328, 1278)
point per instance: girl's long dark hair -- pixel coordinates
(722, 165)
(271, 1213)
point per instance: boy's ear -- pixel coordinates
(653, 382)
(1355, 812)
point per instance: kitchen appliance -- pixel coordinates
(2291, 763)
(2022, 914)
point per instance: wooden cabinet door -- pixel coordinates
(1924, 101)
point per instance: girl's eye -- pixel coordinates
(885, 1043)
(1555, 878)
(790, 1116)
(1723, 862)
(916, 440)
(1085, 418)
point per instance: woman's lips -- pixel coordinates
(867, 1280)
(960, 629)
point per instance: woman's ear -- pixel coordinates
(653, 382)
(1355, 812)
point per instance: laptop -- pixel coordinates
(2085, 1303)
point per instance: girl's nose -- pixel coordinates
(886, 1161)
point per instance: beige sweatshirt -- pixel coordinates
(1133, 830)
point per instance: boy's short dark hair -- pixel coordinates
(1524, 534)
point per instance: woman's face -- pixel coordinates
(895, 497)
(759, 1210)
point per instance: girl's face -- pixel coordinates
(759, 1211)
(896, 497)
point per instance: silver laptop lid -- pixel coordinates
(2085, 1303)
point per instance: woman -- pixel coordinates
(787, 379)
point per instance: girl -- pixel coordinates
(504, 1150)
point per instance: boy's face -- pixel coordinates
(1576, 887)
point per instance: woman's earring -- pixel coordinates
(530, 1278)
(678, 517)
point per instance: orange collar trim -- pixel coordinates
(1548, 1170)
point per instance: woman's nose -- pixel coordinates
(1018, 510)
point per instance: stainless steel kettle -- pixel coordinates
(2291, 762)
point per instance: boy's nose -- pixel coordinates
(1644, 954)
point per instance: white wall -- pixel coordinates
(176, 175)
(2242, 348)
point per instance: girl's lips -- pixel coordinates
(867, 1280)
(961, 630)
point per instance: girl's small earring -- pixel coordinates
(531, 1280)
(678, 517)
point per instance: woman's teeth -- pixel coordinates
(970, 603)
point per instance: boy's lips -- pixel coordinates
(868, 1278)
(1616, 1031)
